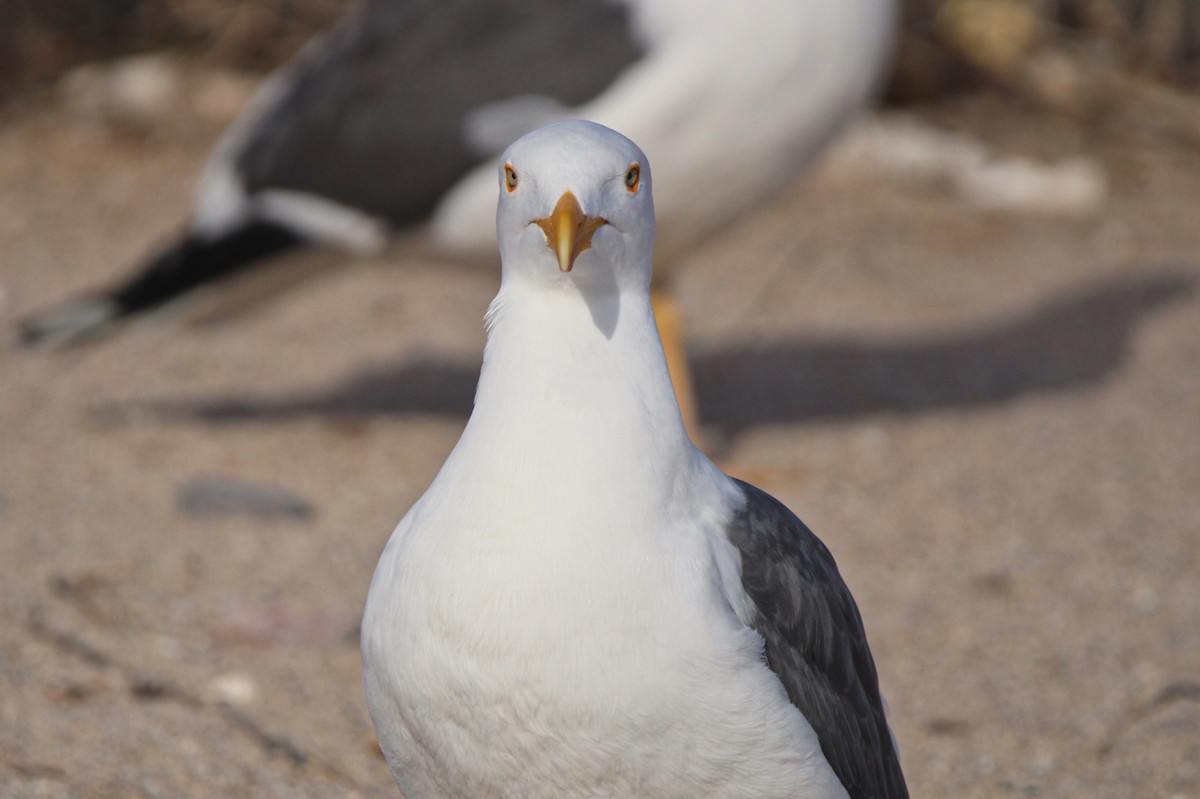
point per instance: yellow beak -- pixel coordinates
(568, 230)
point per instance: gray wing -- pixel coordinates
(815, 643)
(373, 115)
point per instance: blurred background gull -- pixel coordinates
(377, 122)
(392, 117)
(382, 123)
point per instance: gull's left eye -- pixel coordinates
(633, 177)
(510, 178)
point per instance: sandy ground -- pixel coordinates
(992, 419)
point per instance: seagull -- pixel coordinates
(581, 604)
(378, 126)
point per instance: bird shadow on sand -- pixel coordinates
(1066, 343)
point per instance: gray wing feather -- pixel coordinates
(372, 116)
(815, 643)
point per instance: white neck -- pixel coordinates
(575, 396)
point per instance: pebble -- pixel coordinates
(137, 90)
(219, 495)
(233, 688)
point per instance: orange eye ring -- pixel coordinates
(633, 178)
(510, 178)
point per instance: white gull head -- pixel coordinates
(576, 210)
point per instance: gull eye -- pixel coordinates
(510, 178)
(633, 177)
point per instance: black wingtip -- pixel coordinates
(200, 261)
(186, 265)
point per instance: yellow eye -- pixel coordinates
(510, 178)
(633, 177)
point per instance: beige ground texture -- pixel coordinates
(993, 420)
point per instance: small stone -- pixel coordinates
(948, 727)
(218, 495)
(233, 688)
(138, 90)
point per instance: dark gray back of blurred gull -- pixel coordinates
(379, 124)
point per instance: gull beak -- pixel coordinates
(569, 230)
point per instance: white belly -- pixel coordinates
(537, 666)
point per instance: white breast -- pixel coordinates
(510, 658)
